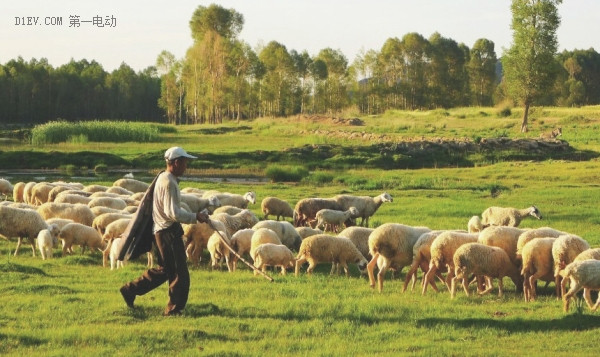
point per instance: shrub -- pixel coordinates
(505, 112)
(95, 131)
(277, 173)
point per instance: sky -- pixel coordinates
(136, 31)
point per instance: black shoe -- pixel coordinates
(127, 296)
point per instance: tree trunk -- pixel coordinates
(525, 115)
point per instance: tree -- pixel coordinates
(482, 71)
(529, 68)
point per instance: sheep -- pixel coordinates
(98, 210)
(582, 275)
(277, 207)
(137, 196)
(48, 239)
(59, 222)
(244, 219)
(133, 209)
(564, 250)
(551, 134)
(305, 232)
(21, 223)
(504, 237)
(82, 235)
(508, 216)
(55, 194)
(588, 254)
(480, 259)
(39, 193)
(233, 199)
(196, 237)
(95, 188)
(218, 250)
(474, 225)
(360, 237)
(240, 242)
(277, 255)
(119, 191)
(306, 209)
(6, 188)
(366, 206)
(537, 264)
(442, 253)
(72, 198)
(528, 235)
(131, 185)
(230, 210)
(196, 203)
(193, 190)
(113, 230)
(79, 213)
(421, 257)
(285, 231)
(334, 218)
(102, 221)
(61, 188)
(323, 248)
(114, 254)
(18, 191)
(262, 236)
(27, 192)
(109, 202)
(394, 242)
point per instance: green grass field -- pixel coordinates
(70, 306)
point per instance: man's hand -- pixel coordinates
(202, 217)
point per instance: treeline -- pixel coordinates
(222, 77)
(35, 92)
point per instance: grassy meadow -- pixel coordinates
(70, 306)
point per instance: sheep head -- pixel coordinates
(386, 197)
(535, 212)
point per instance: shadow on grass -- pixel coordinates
(201, 310)
(572, 322)
(18, 268)
(13, 340)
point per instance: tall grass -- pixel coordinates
(96, 131)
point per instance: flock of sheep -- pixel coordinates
(95, 216)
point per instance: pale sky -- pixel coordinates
(144, 28)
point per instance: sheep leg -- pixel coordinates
(488, 288)
(18, 246)
(533, 285)
(449, 276)
(558, 283)
(563, 286)
(33, 246)
(299, 263)
(595, 307)
(428, 278)
(412, 273)
(588, 297)
(283, 270)
(575, 287)
(150, 260)
(500, 287)
(453, 288)
(370, 269)
(311, 267)
(465, 284)
(381, 275)
(105, 254)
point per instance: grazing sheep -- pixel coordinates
(551, 134)
(82, 235)
(72, 199)
(119, 191)
(502, 237)
(233, 199)
(132, 185)
(39, 193)
(421, 258)
(442, 254)
(98, 210)
(56, 190)
(79, 213)
(262, 236)
(508, 216)
(48, 239)
(564, 251)
(102, 221)
(6, 188)
(133, 209)
(285, 231)
(277, 255)
(241, 242)
(244, 219)
(366, 206)
(324, 248)
(592, 253)
(21, 223)
(277, 207)
(113, 230)
(196, 237)
(394, 242)
(230, 210)
(94, 188)
(333, 218)
(197, 191)
(305, 232)
(27, 192)
(218, 250)
(18, 191)
(582, 275)
(306, 210)
(474, 225)
(110, 202)
(537, 264)
(59, 222)
(528, 235)
(197, 203)
(114, 254)
(480, 259)
(360, 237)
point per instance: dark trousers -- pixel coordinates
(172, 266)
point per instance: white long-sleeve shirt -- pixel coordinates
(166, 205)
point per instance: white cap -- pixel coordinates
(176, 152)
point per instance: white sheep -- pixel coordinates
(262, 236)
(18, 191)
(333, 218)
(27, 192)
(114, 254)
(564, 251)
(82, 235)
(592, 253)
(95, 188)
(21, 223)
(244, 219)
(48, 239)
(72, 199)
(218, 250)
(102, 221)
(196, 237)
(233, 199)
(474, 225)
(482, 260)
(582, 275)
(306, 209)
(360, 237)
(6, 188)
(277, 207)
(276, 255)
(79, 213)
(230, 210)
(241, 242)
(99, 210)
(307, 231)
(504, 237)
(537, 264)
(528, 235)
(366, 206)
(421, 258)
(110, 202)
(193, 190)
(119, 191)
(442, 254)
(394, 242)
(113, 230)
(285, 230)
(197, 203)
(323, 248)
(132, 185)
(508, 216)
(59, 222)
(39, 193)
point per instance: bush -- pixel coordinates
(320, 177)
(95, 131)
(277, 173)
(505, 112)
